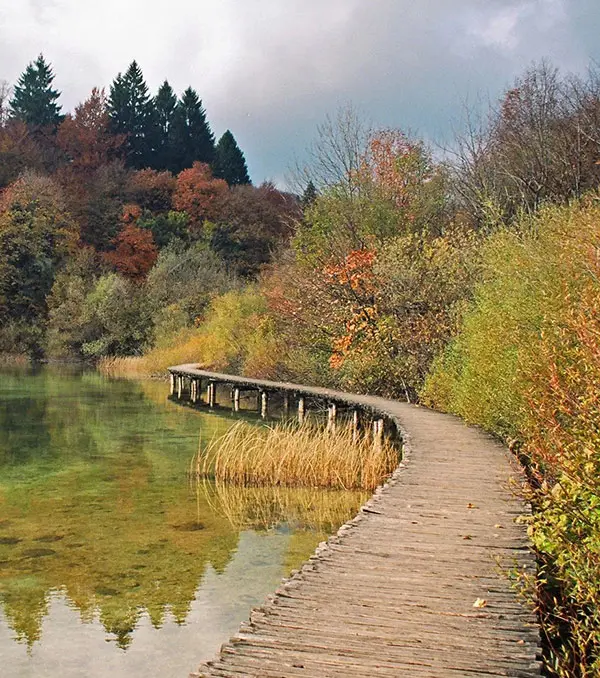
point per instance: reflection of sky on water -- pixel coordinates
(71, 648)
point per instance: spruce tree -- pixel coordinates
(165, 104)
(309, 196)
(131, 113)
(229, 162)
(34, 100)
(192, 139)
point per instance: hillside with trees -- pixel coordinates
(92, 201)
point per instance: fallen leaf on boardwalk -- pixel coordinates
(467, 536)
(471, 506)
(480, 602)
(499, 527)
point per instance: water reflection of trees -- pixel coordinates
(94, 502)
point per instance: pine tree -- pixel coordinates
(131, 113)
(192, 139)
(34, 101)
(165, 104)
(229, 162)
(309, 196)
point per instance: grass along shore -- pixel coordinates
(296, 456)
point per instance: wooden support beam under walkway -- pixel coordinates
(415, 585)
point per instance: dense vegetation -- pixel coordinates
(128, 236)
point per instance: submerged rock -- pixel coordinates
(49, 538)
(38, 553)
(189, 527)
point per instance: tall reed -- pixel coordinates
(292, 456)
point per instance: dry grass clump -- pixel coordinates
(131, 366)
(305, 456)
(188, 347)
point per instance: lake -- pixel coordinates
(113, 560)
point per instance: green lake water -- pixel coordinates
(113, 561)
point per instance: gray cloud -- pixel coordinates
(271, 70)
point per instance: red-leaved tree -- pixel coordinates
(199, 194)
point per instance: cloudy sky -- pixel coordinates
(270, 70)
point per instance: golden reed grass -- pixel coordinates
(188, 346)
(292, 456)
(132, 366)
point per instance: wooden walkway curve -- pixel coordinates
(416, 584)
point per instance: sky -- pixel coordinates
(272, 70)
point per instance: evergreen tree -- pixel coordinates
(229, 162)
(309, 196)
(34, 100)
(165, 104)
(131, 113)
(192, 139)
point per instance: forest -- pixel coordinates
(467, 280)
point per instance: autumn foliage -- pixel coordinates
(85, 136)
(135, 252)
(199, 194)
(152, 190)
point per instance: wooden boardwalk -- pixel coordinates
(416, 584)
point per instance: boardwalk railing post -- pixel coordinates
(171, 383)
(179, 386)
(286, 404)
(378, 433)
(301, 410)
(212, 394)
(331, 417)
(264, 404)
(193, 389)
(355, 426)
(236, 399)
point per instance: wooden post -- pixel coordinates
(193, 390)
(301, 410)
(179, 386)
(171, 383)
(355, 426)
(236, 399)
(212, 394)
(378, 432)
(331, 417)
(286, 404)
(264, 404)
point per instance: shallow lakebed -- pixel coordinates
(113, 561)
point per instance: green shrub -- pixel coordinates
(482, 375)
